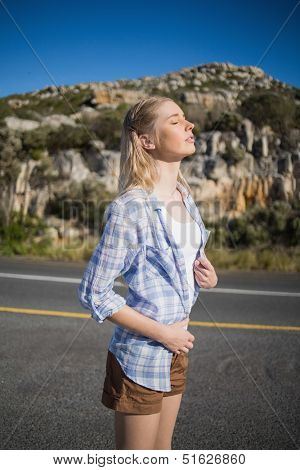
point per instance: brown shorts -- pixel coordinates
(120, 393)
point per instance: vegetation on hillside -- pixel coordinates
(255, 232)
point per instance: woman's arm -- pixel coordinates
(175, 336)
(110, 259)
(129, 318)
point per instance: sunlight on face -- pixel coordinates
(173, 130)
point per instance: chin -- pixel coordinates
(192, 152)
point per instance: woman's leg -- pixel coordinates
(168, 416)
(135, 432)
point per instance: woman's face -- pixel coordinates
(173, 131)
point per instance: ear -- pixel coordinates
(146, 142)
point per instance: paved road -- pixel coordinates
(243, 377)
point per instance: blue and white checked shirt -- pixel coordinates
(137, 244)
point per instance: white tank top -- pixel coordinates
(188, 236)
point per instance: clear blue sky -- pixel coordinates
(94, 40)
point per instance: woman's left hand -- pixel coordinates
(205, 273)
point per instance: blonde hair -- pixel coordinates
(137, 166)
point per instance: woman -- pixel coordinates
(148, 353)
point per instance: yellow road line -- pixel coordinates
(57, 313)
(247, 326)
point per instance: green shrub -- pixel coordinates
(258, 226)
(214, 84)
(87, 200)
(108, 126)
(232, 154)
(228, 121)
(108, 129)
(66, 137)
(65, 103)
(17, 237)
(297, 117)
(293, 230)
(244, 233)
(36, 138)
(270, 108)
(5, 109)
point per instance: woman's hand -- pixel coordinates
(205, 273)
(176, 338)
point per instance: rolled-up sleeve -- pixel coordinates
(108, 261)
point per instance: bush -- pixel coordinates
(66, 102)
(108, 126)
(87, 200)
(5, 109)
(297, 117)
(232, 154)
(228, 121)
(17, 237)
(36, 139)
(244, 233)
(278, 224)
(270, 108)
(66, 137)
(45, 137)
(293, 230)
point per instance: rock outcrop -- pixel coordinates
(236, 164)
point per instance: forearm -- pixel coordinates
(139, 323)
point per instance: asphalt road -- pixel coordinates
(243, 389)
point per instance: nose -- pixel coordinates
(190, 125)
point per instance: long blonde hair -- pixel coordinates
(137, 166)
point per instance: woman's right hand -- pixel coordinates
(176, 338)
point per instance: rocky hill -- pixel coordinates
(63, 142)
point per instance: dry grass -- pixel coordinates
(277, 258)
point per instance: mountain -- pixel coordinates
(63, 142)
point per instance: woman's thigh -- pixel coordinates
(136, 432)
(168, 415)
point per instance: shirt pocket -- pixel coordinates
(158, 261)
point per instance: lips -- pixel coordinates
(191, 139)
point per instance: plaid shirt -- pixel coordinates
(137, 244)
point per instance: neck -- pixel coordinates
(168, 173)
